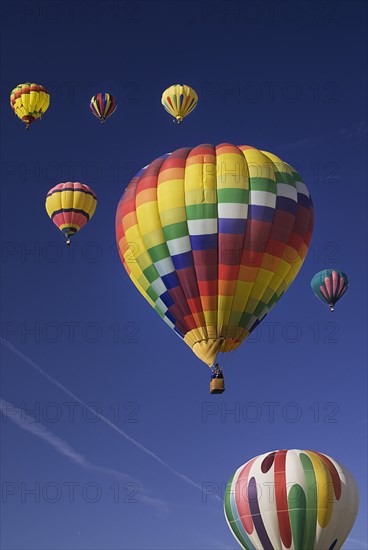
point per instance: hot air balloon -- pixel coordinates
(29, 102)
(70, 206)
(329, 285)
(102, 106)
(179, 100)
(294, 500)
(212, 237)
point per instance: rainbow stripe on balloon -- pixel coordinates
(212, 237)
(291, 500)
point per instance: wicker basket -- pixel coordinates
(217, 385)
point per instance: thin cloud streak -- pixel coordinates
(108, 422)
(347, 134)
(27, 423)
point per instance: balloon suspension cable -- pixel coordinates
(216, 370)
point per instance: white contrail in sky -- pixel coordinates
(27, 423)
(103, 418)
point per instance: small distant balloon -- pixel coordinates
(179, 100)
(102, 106)
(329, 285)
(29, 102)
(70, 206)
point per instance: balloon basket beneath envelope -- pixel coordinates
(217, 385)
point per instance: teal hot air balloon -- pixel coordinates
(329, 285)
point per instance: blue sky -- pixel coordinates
(287, 77)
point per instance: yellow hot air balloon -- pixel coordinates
(29, 102)
(179, 100)
(70, 205)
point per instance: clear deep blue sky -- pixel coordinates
(287, 77)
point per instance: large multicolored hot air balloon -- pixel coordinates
(291, 500)
(179, 100)
(70, 206)
(329, 285)
(212, 237)
(102, 106)
(29, 102)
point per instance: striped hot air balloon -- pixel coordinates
(329, 285)
(29, 102)
(179, 100)
(212, 237)
(70, 206)
(291, 500)
(102, 106)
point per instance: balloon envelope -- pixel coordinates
(29, 102)
(70, 206)
(291, 500)
(212, 237)
(103, 105)
(179, 100)
(329, 285)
